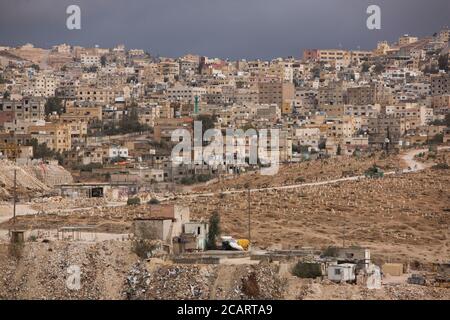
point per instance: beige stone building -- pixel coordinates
(332, 94)
(440, 84)
(276, 93)
(363, 95)
(85, 114)
(56, 136)
(385, 127)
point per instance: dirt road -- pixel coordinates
(408, 158)
(6, 211)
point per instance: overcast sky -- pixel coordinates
(219, 28)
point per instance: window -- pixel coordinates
(337, 272)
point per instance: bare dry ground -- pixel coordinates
(400, 218)
(308, 171)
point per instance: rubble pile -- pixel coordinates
(109, 270)
(169, 282)
(136, 282)
(61, 203)
(44, 270)
(415, 292)
(260, 281)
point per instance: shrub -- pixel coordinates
(203, 177)
(214, 230)
(307, 270)
(154, 201)
(441, 166)
(195, 179)
(187, 180)
(330, 252)
(133, 201)
(89, 167)
(143, 248)
(250, 286)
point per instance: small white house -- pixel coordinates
(117, 151)
(342, 272)
(200, 230)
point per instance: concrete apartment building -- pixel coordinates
(385, 127)
(337, 57)
(351, 144)
(441, 104)
(367, 110)
(382, 48)
(89, 60)
(440, 84)
(6, 117)
(270, 112)
(185, 94)
(78, 129)
(30, 109)
(246, 96)
(340, 128)
(88, 114)
(148, 114)
(333, 111)
(281, 70)
(332, 94)
(307, 137)
(169, 69)
(306, 98)
(164, 127)
(43, 85)
(116, 151)
(100, 95)
(415, 115)
(363, 95)
(406, 40)
(56, 136)
(276, 93)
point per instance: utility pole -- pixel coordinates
(15, 196)
(248, 200)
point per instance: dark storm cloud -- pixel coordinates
(224, 28)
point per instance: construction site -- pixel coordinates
(388, 232)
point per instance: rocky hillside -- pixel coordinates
(32, 180)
